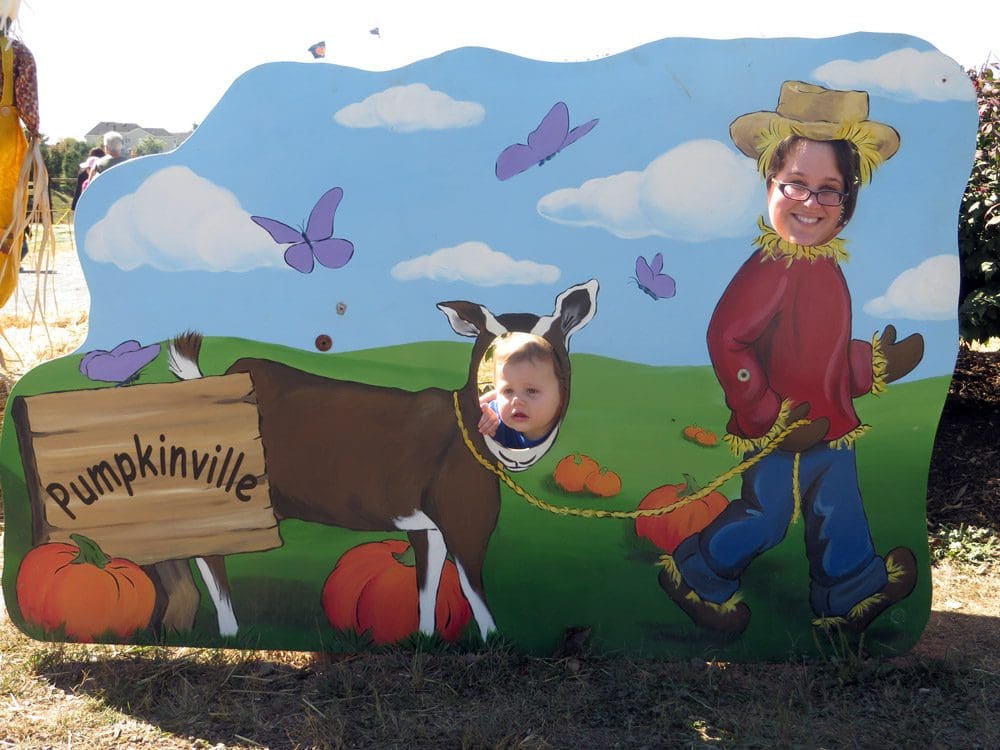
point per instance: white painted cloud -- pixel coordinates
(927, 292)
(406, 109)
(476, 263)
(904, 74)
(698, 191)
(179, 221)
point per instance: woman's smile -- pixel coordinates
(812, 165)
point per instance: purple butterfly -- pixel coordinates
(650, 279)
(550, 137)
(121, 365)
(317, 239)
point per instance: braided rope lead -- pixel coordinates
(563, 510)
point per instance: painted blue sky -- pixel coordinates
(167, 242)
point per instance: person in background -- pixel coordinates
(113, 154)
(83, 176)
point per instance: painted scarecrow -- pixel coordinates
(781, 347)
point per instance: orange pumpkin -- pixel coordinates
(81, 589)
(700, 435)
(691, 432)
(668, 530)
(603, 483)
(571, 472)
(372, 588)
(707, 438)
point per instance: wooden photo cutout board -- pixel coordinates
(271, 436)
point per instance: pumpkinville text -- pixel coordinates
(147, 460)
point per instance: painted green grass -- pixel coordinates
(545, 571)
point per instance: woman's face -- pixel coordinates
(814, 165)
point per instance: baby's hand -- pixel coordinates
(488, 421)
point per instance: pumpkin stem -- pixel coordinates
(90, 552)
(407, 558)
(691, 486)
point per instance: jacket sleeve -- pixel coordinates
(742, 315)
(863, 367)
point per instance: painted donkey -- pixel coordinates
(373, 458)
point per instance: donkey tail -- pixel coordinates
(183, 355)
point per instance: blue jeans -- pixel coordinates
(843, 566)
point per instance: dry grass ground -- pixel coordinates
(945, 694)
(47, 315)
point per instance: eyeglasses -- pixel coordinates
(798, 192)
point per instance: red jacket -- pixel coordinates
(782, 331)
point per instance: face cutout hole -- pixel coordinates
(522, 385)
(485, 374)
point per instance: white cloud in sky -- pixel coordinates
(697, 191)
(179, 221)
(476, 263)
(406, 109)
(904, 74)
(927, 292)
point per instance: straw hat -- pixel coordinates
(818, 113)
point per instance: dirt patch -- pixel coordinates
(963, 622)
(964, 481)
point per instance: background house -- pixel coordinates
(133, 134)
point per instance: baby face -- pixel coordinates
(811, 164)
(528, 396)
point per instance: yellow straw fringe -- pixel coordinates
(858, 133)
(893, 570)
(740, 445)
(863, 138)
(880, 366)
(768, 141)
(32, 173)
(773, 247)
(830, 622)
(859, 610)
(848, 440)
(668, 563)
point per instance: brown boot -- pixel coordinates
(732, 616)
(901, 567)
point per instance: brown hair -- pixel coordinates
(523, 347)
(848, 162)
(517, 347)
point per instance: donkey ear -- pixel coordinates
(574, 309)
(469, 319)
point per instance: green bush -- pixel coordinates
(979, 220)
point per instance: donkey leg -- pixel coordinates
(213, 572)
(472, 587)
(469, 552)
(429, 552)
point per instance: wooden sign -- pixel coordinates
(135, 470)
